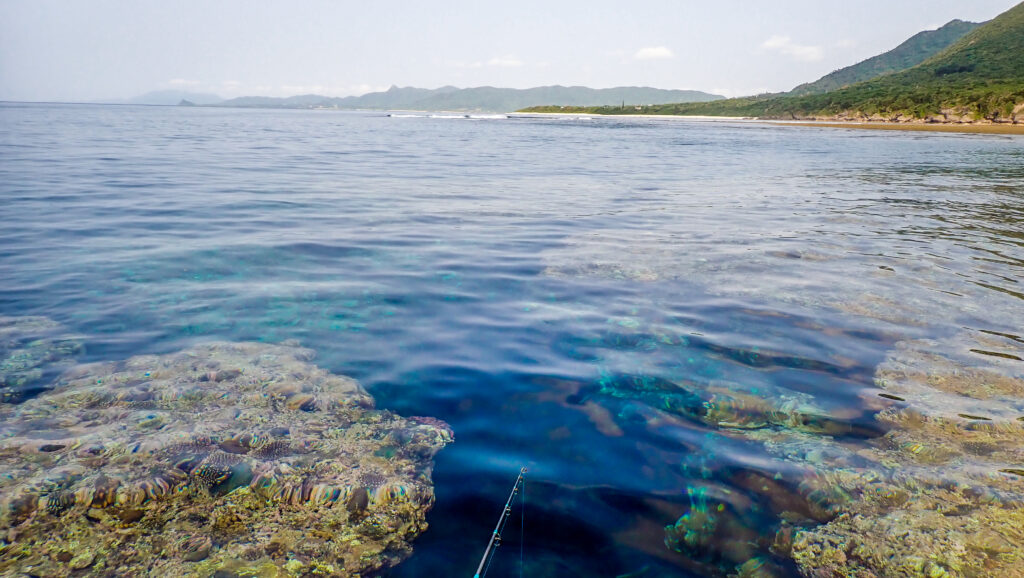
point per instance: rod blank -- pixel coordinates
(495, 540)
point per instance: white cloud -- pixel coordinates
(654, 53)
(505, 62)
(182, 82)
(785, 45)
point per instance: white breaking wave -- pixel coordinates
(449, 116)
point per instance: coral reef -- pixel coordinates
(712, 531)
(944, 497)
(886, 291)
(32, 349)
(225, 459)
(618, 254)
(928, 536)
(924, 480)
(938, 380)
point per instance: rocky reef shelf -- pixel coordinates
(223, 459)
(936, 493)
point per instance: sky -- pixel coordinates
(78, 50)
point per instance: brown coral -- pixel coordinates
(247, 440)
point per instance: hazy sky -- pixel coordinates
(98, 49)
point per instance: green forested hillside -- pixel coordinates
(981, 76)
(914, 51)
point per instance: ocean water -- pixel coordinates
(571, 295)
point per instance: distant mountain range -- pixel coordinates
(978, 77)
(917, 49)
(482, 99)
(170, 97)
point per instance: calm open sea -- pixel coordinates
(567, 293)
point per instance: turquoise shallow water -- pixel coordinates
(568, 294)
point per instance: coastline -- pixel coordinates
(1011, 129)
(948, 127)
(664, 116)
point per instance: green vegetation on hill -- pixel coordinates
(981, 76)
(914, 51)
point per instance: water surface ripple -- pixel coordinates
(568, 294)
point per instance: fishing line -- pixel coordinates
(522, 528)
(488, 557)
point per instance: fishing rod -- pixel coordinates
(495, 541)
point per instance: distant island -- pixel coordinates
(172, 97)
(960, 73)
(477, 99)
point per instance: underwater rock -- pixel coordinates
(757, 568)
(614, 254)
(712, 531)
(983, 541)
(961, 413)
(32, 349)
(944, 497)
(879, 290)
(933, 487)
(939, 379)
(230, 458)
(880, 308)
(735, 409)
(195, 548)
